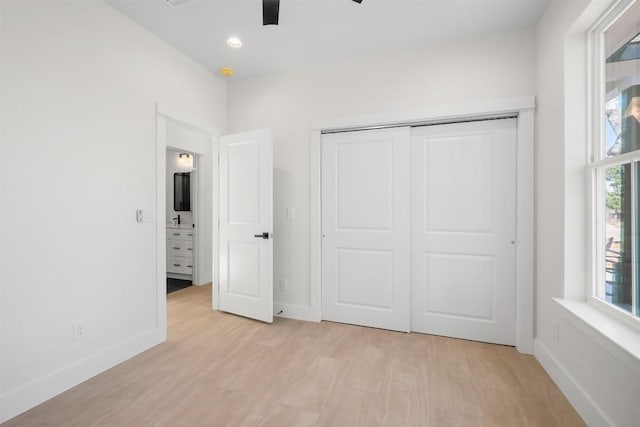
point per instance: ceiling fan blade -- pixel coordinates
(270, 12)
(358, 1)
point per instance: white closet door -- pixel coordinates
(365, 226)
(463, 230)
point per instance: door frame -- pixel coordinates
(523, 108)
(163, 115)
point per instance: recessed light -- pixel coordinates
(234, 42)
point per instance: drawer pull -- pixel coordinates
(176, 265)
(176, 234)
(190, 234)
(190, 266)
(176, 247)
(189, 249)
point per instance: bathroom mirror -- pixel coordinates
(182, 191)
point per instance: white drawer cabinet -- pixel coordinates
(180, 265)
(180, 251)
(182, 248)
(179, 234)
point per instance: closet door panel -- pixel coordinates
(365, 227)
(463, 230)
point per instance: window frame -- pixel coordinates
(598, 162)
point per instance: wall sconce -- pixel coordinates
(185, 160)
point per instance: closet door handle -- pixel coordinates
(264, 235)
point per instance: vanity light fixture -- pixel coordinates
(185, 160)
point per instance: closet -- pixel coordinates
(418, 229)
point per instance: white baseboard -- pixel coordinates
(294, 311)
(14, 402)
(581, 401)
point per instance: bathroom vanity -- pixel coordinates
(180, 250)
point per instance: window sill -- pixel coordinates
(619, 339)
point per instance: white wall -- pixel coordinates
(592, 371)
(471, 71)
(79, 89)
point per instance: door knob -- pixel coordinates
(264, 235)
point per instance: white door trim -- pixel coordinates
(523, 108)
(162, 116)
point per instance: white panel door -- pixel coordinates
(246, 224)
(365, 228)
(463, 230)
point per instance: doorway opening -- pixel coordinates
(181, 215)
(232, 221)
(186, 209)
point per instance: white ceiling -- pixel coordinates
(315, 31)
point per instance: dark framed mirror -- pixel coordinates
(182, 191)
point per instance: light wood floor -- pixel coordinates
(221, 370)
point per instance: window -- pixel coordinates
(616, 159)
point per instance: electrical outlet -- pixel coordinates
(283, 285)
(556, 330)
(291, 214)
(79, 330)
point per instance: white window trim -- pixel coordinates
(595, 101)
